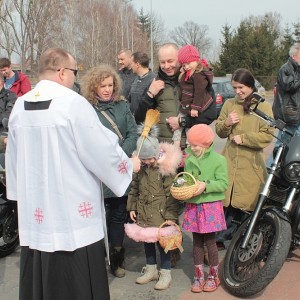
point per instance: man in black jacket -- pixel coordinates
(7, 101)
(125, 71)
(286, 106)
(139, 87)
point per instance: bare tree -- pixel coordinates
(193, 34)
(14, 18)
(42, 27)
(93, 30)
(26, 28)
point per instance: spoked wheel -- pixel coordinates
(248, 271)
(9, 240)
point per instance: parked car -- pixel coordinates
(223, 90)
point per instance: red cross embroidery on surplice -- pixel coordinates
(39, 215)
(85, 209)
(123, 167)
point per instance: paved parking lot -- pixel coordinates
(284, 286)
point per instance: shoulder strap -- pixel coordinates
(112, 123)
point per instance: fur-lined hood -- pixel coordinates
(169, 159)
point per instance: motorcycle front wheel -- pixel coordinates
(247, 271)
(9, 237)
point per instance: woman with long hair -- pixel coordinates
(101, 86)
(247, 136)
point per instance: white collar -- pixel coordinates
(46, 90)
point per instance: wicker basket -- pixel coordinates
(172, 241)
(184, 192)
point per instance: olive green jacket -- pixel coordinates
(151, 199)
(168, 105)
(246, 162)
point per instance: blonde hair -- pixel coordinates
(198, 69)
(202, 152)
(94, 77)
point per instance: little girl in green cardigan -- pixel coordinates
(204, 214)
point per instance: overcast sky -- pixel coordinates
(215, 13)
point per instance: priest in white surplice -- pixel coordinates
(58, 154)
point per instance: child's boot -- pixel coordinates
(212, 281)
(149, 273)
(199, 280)
(164, 280)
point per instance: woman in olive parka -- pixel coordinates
(247, 136)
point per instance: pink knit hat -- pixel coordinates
(201, 135)
(187, 54)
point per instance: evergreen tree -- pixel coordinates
(223, 67)
(296, 32)
(253, 45)
(144, 22)
(285, 45)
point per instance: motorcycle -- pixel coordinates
(263, 241)
(9, 235)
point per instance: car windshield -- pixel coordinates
(217, 87)
(224, 86)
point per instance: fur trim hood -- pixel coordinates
(169, 159)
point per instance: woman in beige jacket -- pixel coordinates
(247, 136)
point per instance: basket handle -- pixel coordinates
(165, 223)
(187, 173)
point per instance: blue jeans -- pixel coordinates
(283, 137)
(150, 251)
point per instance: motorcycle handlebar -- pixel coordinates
(279, 124)
(274, 123)
(262, 115)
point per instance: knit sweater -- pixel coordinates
(194, 91)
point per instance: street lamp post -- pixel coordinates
(151, 37)
(127, 29)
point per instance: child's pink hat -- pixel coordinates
(201, 135)
(187, 54)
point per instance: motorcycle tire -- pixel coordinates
(9, 239)
(246, 272)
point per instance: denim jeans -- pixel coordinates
(283, 137)
(150, 251)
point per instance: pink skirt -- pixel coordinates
(204, 217)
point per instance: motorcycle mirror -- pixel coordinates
(258, 97)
